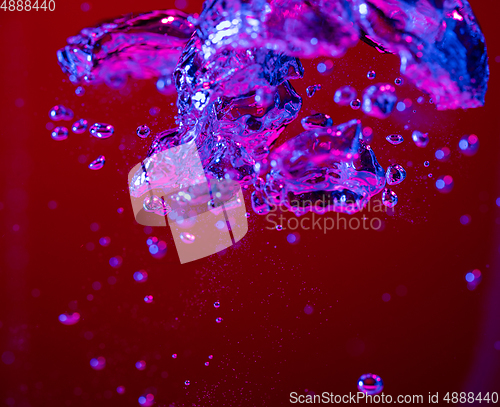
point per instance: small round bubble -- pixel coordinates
(355, 104)
(59, 133)
(143, 131)
(370, 384)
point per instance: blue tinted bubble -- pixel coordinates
(153, 249)
(469, 277)
(401, 106)
(321, 67)
(465, 219)
(370, 384)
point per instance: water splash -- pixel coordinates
(120, 48)
(370, 384)
(232, 70)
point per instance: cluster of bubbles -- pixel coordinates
(157, 248)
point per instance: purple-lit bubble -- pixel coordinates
(395, 174)
(116, 261)
(317, 121)
(96, 285)
(98, 363)
(141, 276)
(379, 100)
(101, 130)
(473, 279)
(218, 320)
(386, 297)
(79, 126)
(174, 356)
(120, 210)
(140, 365)
(367, 135)
(400, 107)
(345, 95)
(311, 90)
(355, 104)
(148, 299)
(120, 389)
(60, 112)
(80, 91)
(216, 304)
(165, 85)
(69, 319)
(187, 238)
(443, 154)
(420, 139)
(389, 198)
(444, 184)
(308, 309)
(398, 81)
(292, 238)
(370, 384)
(325, 67)
(468, 145)
(143, 131)
(147, 400)
(371, 75)
(94, 227)
(156, 204)
(187, 382)
(98, 163)
(105, 241)
(59, 133)
(207, 363)
(158, 250)
(210, 356)
(426, 163)
(465, 219)
(395, 139)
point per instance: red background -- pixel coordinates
(440, 336)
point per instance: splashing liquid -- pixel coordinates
(232, 69)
